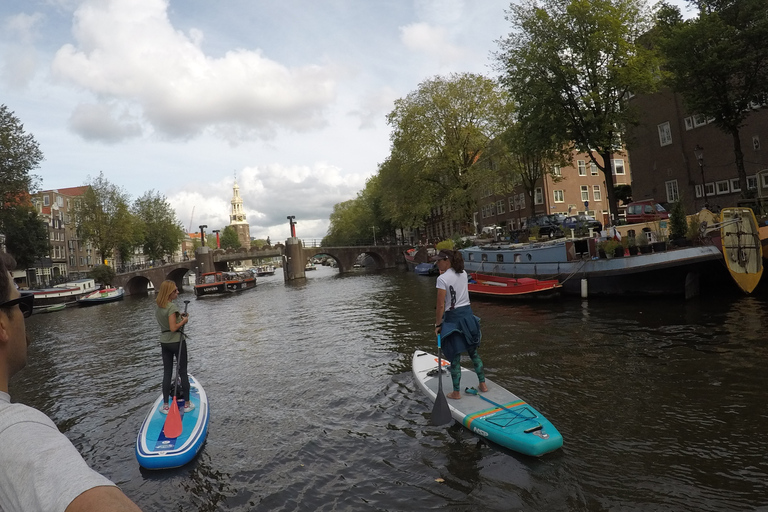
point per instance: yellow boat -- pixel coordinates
(741, 246)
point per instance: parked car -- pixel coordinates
(557, 218)
(581, 223)
(547, 227)
(647, 210)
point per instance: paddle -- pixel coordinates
(172, 427)
(473, 391)
(441, 413)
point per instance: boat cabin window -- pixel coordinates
(484, 257)
(499, 258)
(518, 258)
(210, 279)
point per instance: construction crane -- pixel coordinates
(191, 218)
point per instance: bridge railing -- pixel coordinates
(315, 242)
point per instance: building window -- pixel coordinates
(582, 165)
(689, 123)
(735, 187)
(618, 166)
(556, 171)
(538, 196)
(593, 169)
(751, 182)
(673, 195)
(46, 200)
(559, 196)
(59, 201)
(522, 200)
(699, 120)
(665, 134)
(584, 193)
(512, 204)
(596, 193)
(710, 189)
(500, 207)
(723, 187)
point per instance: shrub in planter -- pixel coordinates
(678, 226)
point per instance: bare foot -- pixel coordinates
(454, 395)
(482, 387)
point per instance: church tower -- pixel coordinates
(237, 218)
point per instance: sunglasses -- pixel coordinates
(24, 302)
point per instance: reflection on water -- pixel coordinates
(661, 403)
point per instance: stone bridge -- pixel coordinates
(294, 256)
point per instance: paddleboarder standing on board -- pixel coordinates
(171, 321)
(40, 469)
(454, 321)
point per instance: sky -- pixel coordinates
(183, 97)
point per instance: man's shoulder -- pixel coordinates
(15, 414)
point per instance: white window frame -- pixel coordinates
(699, 120)
(618, 163)
(500, 206)
(584, 193)
(556, 171)
(538, 196)
(558, 196)
(665, 134)
(710, 189)
(593, 170)
(597, 195)
(522, 200)
(723, 187)
(735, 187)
(688, 123)
(672, 190)
(582, 166)
(46, 200)
(751, 182)
(512, 203)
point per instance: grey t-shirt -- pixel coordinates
(40, 469)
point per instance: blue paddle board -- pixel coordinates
(497, 414)
(155, 451)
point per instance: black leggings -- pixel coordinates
(171, 350)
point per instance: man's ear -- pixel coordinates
(5, 328)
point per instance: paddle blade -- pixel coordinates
(441, 413)
(172, 427)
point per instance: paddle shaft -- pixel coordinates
(178, 356)
(441, 412)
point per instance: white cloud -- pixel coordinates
(103, 122)
(432, 41)
(129, 51)
(270, 193)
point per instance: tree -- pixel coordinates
(103, 217)
(718, 62)
(229, 239)
(441, 137)
(103, 274)
(350, 223)
(160, 233)
(26, 236)
(579, 60)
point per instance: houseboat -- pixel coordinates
(66, 293)
(213, 283)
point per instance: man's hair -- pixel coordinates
(7, 263)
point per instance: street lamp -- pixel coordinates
(202, 234)
(374, 234)
(293, 224)
(699, 152)
(218, 243)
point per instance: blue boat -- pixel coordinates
(155, 451)
(102, 297)
(427, 269)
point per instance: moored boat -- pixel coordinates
(65, 293)
(576, 265)
(487, 286)
(102, 296)
(741, 246)
(427, 269)
(213, 283)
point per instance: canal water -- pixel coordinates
(662, 404)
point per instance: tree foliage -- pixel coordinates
(441, 140)
(103, 274)
(104, 218)
(229, 239)
(26, 235)
(718, 62)
(578, 60)
(159, 232)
